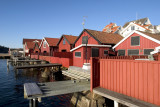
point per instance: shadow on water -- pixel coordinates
(12, 90)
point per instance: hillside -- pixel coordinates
(3, 49)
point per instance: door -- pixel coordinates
(95, 52)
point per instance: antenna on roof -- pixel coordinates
(83, 23)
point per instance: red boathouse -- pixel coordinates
(98, 45)
(48, 46)
(65, 43)
(137, 43)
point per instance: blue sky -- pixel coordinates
(51, 18)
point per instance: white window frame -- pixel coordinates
(78, 56)
(139, 41)
(44, 44)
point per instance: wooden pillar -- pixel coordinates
(116, 104)
(35, 102)
(31, 103)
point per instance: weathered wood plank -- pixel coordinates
(32, 89)
(121, 98)
(37, 66)
(61, 87)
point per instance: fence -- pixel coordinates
(63, 54)
(130, 57)
(66, 62)
(95, 73)
(138, 79)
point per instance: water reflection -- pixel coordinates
(12, 90)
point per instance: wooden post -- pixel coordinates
(116, 104)
(35, 102)
(31, 103)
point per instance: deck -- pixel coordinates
(55, 88)
(38, 66)
(121, 98)
(25, 60)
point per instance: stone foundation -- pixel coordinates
(87, 99)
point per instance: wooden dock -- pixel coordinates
(55, 88)
(38, 66)
(121, 98)
(25, 60)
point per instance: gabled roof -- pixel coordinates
(30, 40)
(69, 38)
(102, 37)
(112, 27)
(30, 45)
(131, 24)
(136, 21)
(52, 41)
(153, 37)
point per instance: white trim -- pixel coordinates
(141, 34)
(89, 45)
(156, 50)
(130, 24)
(42, 42)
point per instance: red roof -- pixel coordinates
(30, 40)
(30, 45)
(112, 27)
(104, 37)
(52, 41)
(71, 39)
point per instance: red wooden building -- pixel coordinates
(99, 44)
(36, 48)
(28, 45)
(48, 46)
(65, 43)
(137, 43)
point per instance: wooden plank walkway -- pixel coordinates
(32, 89)
(38, 66)
(25, 60)
(59, 87)
(121, 98)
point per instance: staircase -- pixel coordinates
(77, 73)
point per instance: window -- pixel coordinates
(63, 50)
(44, 51)
(135, 41)
(64, 41)
(133, 52)
(36, 51)
(132, 27)
(84, 39)
(105, 52)
(147, 51)
(44, 44)
(95, 52)
(121, 52)
(77, 54)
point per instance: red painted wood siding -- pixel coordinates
(66, 62)
(65, 46)
(47, 49)
(77, 61)
(90, 41)
(138, 79)
(144, 44)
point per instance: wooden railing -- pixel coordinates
(130, 57)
